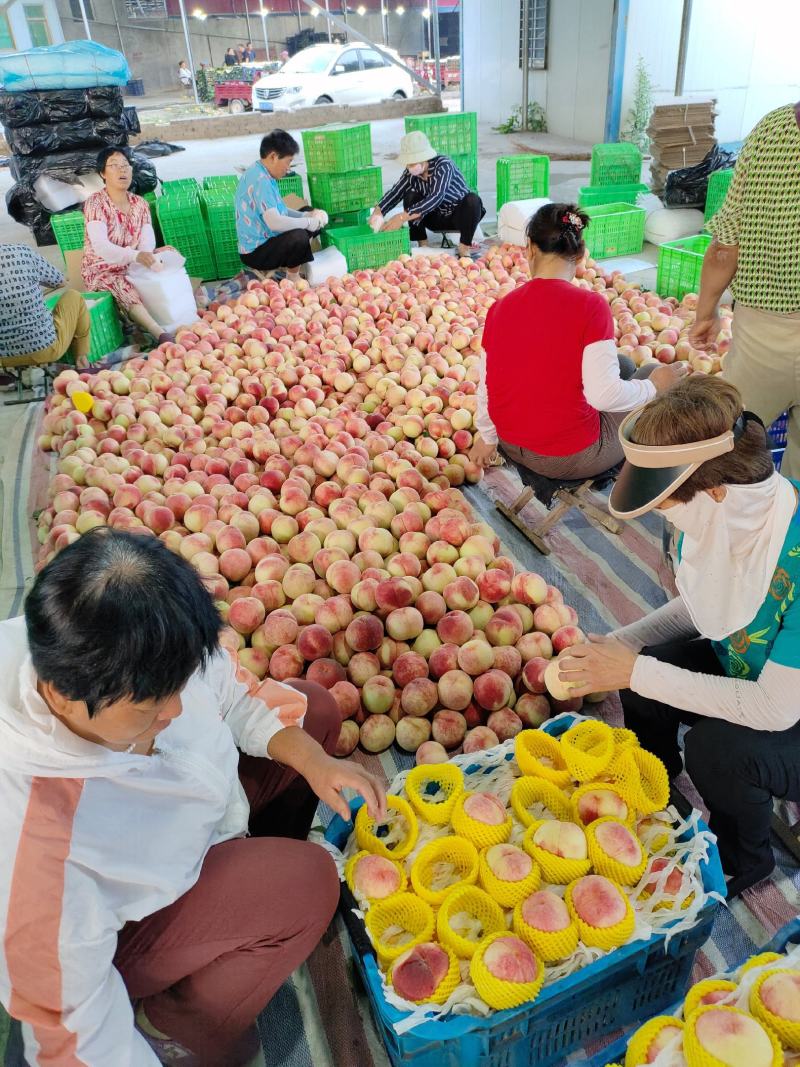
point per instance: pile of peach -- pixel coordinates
(460, 888)
(748, 1018)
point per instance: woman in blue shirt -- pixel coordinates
(723, 657)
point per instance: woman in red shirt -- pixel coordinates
(551, 394)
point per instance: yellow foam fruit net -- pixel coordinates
(556, 869)
(540, 754)
(466, 916)
(697, 1056)
(623, 739)
(529, 790)
(480, 834)
(549, 945)
(587, 748)
(606, 865)
(401, 830)
(666, 903)
(759, 960)
(604, 937)
(640, 1042)
(642, 779)
(702, 989)
(507, 894)
(497, 992)
(350, 873)
(598, 787)
(397, 924)
(443, 858)
(425, 782)
(654, 840)
(445, 988)
(788, 1030)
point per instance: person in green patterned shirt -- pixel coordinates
(756, 249)
(723, 656)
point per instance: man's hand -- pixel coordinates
(481, 453)
(328, 777)
(667, 375)
(605, 664)
(147, 259)
(705, 331)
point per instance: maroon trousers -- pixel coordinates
(205, 966)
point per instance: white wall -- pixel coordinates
(578, 55)
(19, 27)
(743, 53)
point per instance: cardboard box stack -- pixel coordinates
(681, 134)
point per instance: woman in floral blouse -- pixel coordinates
(723, 657)
(119, 232)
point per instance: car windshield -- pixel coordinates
(309, 61)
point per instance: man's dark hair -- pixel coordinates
(110, 150)
(278, 141)
(118, 616)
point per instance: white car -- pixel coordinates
(333, 74)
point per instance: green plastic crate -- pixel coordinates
(68, 228)
(106, 335)
(151, 199)
(616, 164)
(221, 218)
(346, 192)
(338, 148)
(184, 227)
(468, 165)
(451, 134)
(589, 195)
(718, 183)
(680, 264)
(221, 183)
(522, 178)
(181, 187)
(365, 250)
(349, 218)
(292, 183)
(614, 230)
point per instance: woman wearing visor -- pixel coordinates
(726, 650)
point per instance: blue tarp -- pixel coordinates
(73, 65)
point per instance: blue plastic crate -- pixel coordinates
(778, 431)
(626, 987)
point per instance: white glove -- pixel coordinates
(322, 216)
(376, 221)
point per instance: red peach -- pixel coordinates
(255, 661)
(345, 694)
(533, 645)
(505, 723)
(510, 960)
(303, 547)
(286, 662)
(271, 568)
(394, 593)
(598, 901)
(479, 738)
(443, 659)
(362, 667)
(342, 575)
(278, 629)
(508, 862)
(411, 732)
(305, 607)
(617, 841)
(455, 628)
(363, 594)
(438, 576)
(326, 672)
(419, 697)
(504, 627)
(431, 752)
(375, 877)
(417, 974)
(270, 594)
(315, 642)
(486, 808)
(462, 594)
(533, 674)
(348, 739)
(567, 636)
(431, 606)
(364, 633)
(408, 666)
(377, 695)
(335, 614)
(546, 619)
(476, 657)
(404, 624)
(508, 659)
(449, 728)
(377, 733)
(565, 839)
(493, 585)
(493, 690)
(246, 614)
(455, 690)
(533, 709)
(235, 564)
(546, 911)
(529, 588)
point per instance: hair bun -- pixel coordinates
(570, 219)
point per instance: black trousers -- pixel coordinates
(464, 217)
(290, 249)
(736, 770)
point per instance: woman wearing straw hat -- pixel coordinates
(723, 657)
(434, 194)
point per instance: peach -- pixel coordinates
(438, 576)
(617, 841)
(534, 645)
(335, 614)
(732, 1037)
(246, 614)
(348, 739)
(417, 974)
(315, 642)
(271, 567)
(377, 733)
(346, 696)
(411, 732)
(493, 690)
(507, 658)
(364, 633)
(508, 863)
(493, 585)
(554, 595)
(431, 606)
(529, 588)
(286, 662)
(546, 911)
(505, 723)
(362, 667)
(566, 636)
(780, 994)
(481, 614)
(419, 696)
(375, 877)
(283, 529)
(552, 679)
(363, 594)
(394, 593)
(532, 709)
(533, 674)
(479, 738)
(674, 884)
(504, 627)
(431, 752)
(475, 657)
(298, 579)
(255, 661)
(461, 595)
(449, 728)
(455, 628)
(485, 808)
(377, 695)
(546, 619)
(404, 624)
(342, 575)
(525, 616)
(565, 839)
(598, 901)
(509, 959)
(279, 628)
(665, 1036)
(443, 659)
(407, 667)
(598, 802)
(303, 547)
(326, 672)
(455, 690)
(477, 545)
(469, 567)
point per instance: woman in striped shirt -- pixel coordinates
(434, 195)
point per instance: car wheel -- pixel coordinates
(399, 95)
(323, 100)
(236, 107)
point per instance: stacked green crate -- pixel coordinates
(181, 187)
(341, 177)
(680, 264)
(614, 230)
(182, 221)
(522, 178)
(68, 228)
(452, 134)
(151, 203)
(716, 191)
(106, 331)
(292, 183)
(616, 164)
(220, 214)
(365, 250)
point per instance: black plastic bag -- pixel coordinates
(130, 117)
(60, 105)
(24, 208)
(66, 136)
(158, 148)
(688, 187)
